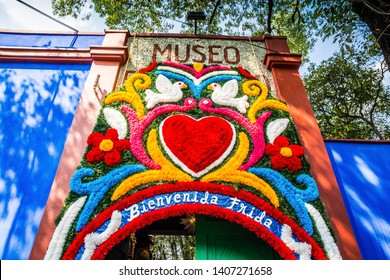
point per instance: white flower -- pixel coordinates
(276, 128)
(58, 240)
(330, 246)
(94, 239)
(226, 95)
(301, 248)
(116, 120)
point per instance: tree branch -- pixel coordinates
(213, 14)
(374, 9)
(269, 19)
(296, 10)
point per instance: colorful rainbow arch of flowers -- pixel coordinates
(193, 139)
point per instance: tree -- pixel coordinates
(349, 98)
(376, 14)
(238, 17)
(363, 23)
(173, 247)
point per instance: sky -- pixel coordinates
(12, 11)
(15, 15)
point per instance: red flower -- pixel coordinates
(107, 147)
(284, 155)
(149, 68)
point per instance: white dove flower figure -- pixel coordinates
(226, 95)
(168, 92)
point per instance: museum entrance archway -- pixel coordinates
(192, 237)
(147, 206)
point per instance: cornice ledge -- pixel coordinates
(109, 53)
(280, 59)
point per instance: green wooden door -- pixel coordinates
(221, 240)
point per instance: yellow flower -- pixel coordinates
(139, 81)
(285, 151)
(168, 171)
(198, 66)
(230, 173)
(106, 145)
(135, 82)
(254, 88)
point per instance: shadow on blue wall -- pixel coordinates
(37, 105)
(363, 173)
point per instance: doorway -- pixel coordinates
(218, 239)
(198, 237)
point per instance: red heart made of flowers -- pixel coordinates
(197, 146)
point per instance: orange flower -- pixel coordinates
(284, 155)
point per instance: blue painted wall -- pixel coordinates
(37, 105)
(79, 41)
(363, 173)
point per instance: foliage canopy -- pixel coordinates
(349, 98)
(302, 21)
